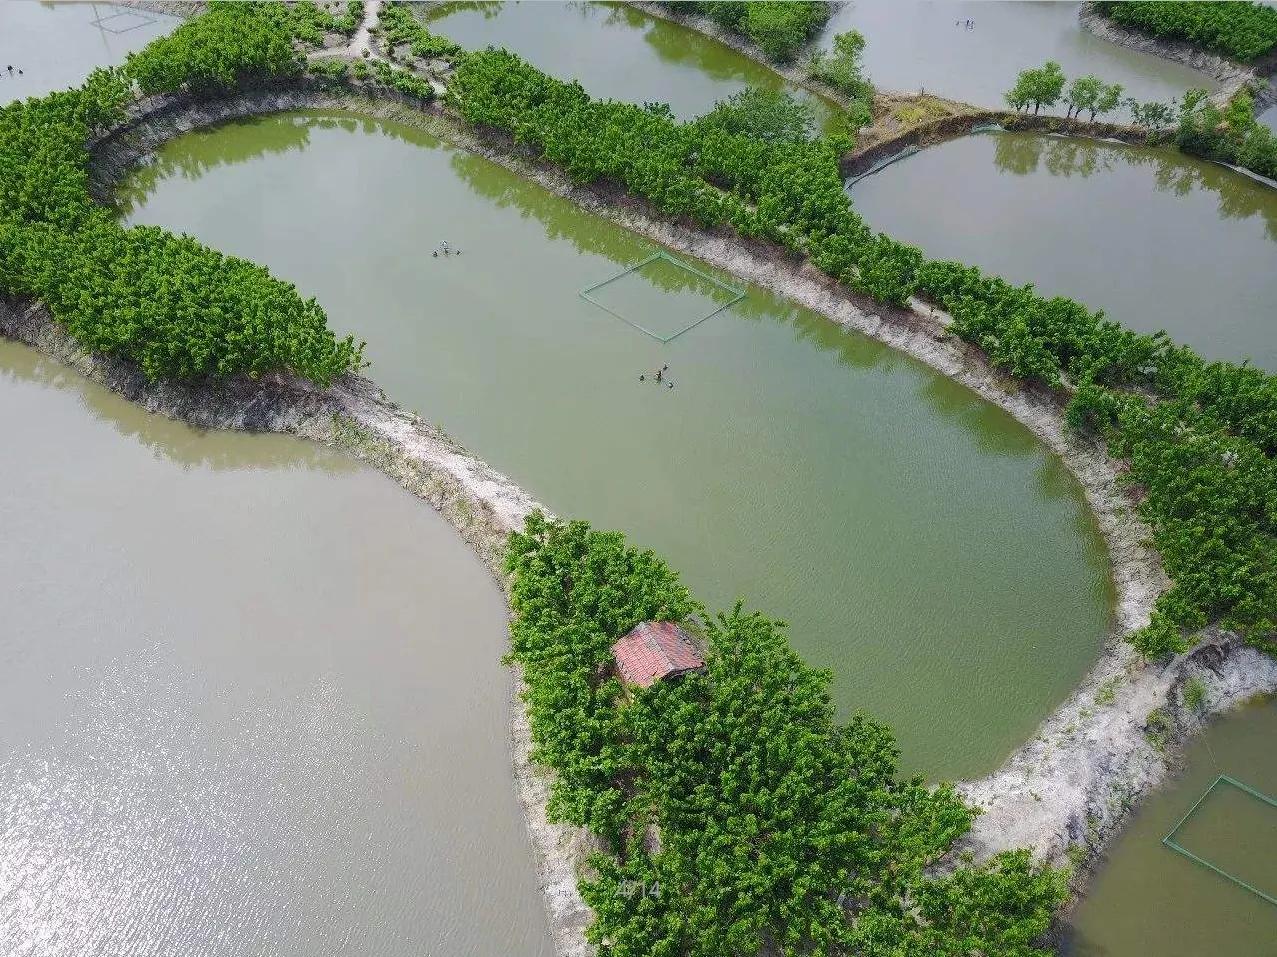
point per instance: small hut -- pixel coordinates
(654, 651)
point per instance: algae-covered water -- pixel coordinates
(921, 543)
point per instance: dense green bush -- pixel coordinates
(777, 825)
(1243, 31)
(349, 21)
(779, 27)
(841, 69)
(1211, 498)
(43, 160)
(229, 46)
(398, 26)
(1038, 87)
(1230, 134)
(768, 115)
(175, 307)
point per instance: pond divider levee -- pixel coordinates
(869, 153)
(1071, 785)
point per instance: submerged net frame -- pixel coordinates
(661, 256)
(1170, 841)
(133, 18)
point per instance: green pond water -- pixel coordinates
(927, 45)
(1150, 900)
(615, 52)
(1157, 239)
(921, 543)
(252, 699)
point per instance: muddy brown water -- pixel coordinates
(1157, 239)
(1149, 900)
(251, 692)
(253, 699)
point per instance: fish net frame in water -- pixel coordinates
(1174, 845)
(135, 18)
(662, 256)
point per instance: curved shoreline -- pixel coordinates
(1232, 74)
(1073, 783)
(961, 118)
(791, 71)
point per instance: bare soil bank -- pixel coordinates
(1072, 785)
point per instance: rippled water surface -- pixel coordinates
(920, 542)
(1149, 900)
(252, 699)
(1157, 239)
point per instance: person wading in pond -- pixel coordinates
(658, 376)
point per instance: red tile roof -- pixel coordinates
(655, 650)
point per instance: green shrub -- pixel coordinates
(399, 26)
(776, 823)
(1243, 31)
(173, 306)
(177, 308)
(768, 115)
(1194, 694)
(230, 46)
(779, 27)
(840, 67)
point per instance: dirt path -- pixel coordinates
(361, 43)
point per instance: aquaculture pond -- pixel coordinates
(252, 698)
(614, 51)
(1149, 900)
(1157, 239)
(928, 46)
(921, 543)
(1269, 118)
(57, 45)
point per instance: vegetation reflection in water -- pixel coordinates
(1149, 900)
(269, 715)
(1157, 239)
(614, 51)
(918, 540)
(928, 45)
